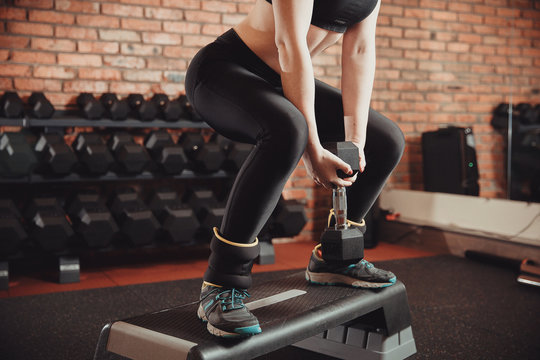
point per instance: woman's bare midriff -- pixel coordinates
(258, 33)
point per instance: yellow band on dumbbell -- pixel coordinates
(349, 222)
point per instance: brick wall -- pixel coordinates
(439, 62)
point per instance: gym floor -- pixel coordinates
(106, 270)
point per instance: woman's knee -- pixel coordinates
(287, 137)
(388, 135)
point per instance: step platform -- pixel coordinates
(338, 321)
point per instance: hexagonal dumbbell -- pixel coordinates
(91, 219)
(94, 156)
(130, 157)
(168, 110)
(142, 109)
(40, 106)
(204, 157)
(168, 156)
(90, 107)
(13, 233)
(17, 158)
(115, 108)
(11, 105)
(56, 157)
(178, 221)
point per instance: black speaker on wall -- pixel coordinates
(449, 161)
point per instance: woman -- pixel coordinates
(255, 84)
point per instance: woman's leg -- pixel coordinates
(383, 149)
(244, 107)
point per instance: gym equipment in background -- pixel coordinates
(11, 105)
(169, 157)
(449, 161)
(91, 219)
(178, 221)
(168, 110)
(55, 156)
(137, 224)
(130, 157)
(336, 321)
(94, 156)
(12, 232)
(115, 109)
(49, 227)
(142, 109)
(235, 152)
(208, 209)
(204, 157)
(17, 158)
(39, 106)
(90, 107)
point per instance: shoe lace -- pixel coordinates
(232, 299)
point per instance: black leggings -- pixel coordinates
(241, 97)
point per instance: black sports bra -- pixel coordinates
(338, 15)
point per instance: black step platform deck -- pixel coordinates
(338, 321)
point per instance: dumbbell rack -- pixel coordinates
(68, 264)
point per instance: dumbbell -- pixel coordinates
(142, 109)
(168, 110)
(55, 155)
(49, 227)
(166, 154)
(204, 157)
(92, 220)
(90, 107)
(130, 156)
(93, 154)
(115, 109)
(235, 152)
(12, 233)
(342, 243)
(208, 209)
(136, 222)
(11, 105)
(40, 106)
(288, 218)
(16, 155)
(178, 221)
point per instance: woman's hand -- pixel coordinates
(361, 155)
(322, 166)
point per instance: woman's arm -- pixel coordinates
(292, 20)
(358, 72)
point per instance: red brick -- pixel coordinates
(458, 47)
(142, 75)
(11, 13)
(508, 12)
(31, 84)
(15, 70)
(496, 21)
(164, 14)
(459, 7)
(54, 72)
(99, 21)
(162, 63)
(140, 49)
(470, 38)
(413, 117)
(119, 35)
(417, 54)
(131, 62)
(487, 69)
(232, 19)
(89, 7)
(33, 57)
(494, 40)
(430, 66)
(99, 47)
(141, 25)
(417, 34)
(161, 38)
(498, 60)
(404, 44)
(484, 29)
(444, 15)
(389, 31)
(402, 86)
(6, 83)
(432, 45)
(12, 42)
(181, 27)
(182, 4)
(471, 58)
(471, 18)
(78, 86)
(433, 25)
(483, 49)
(175, 76)
(214, 29)
(442, 76)
(391, 10)
(130, 87)
(245, 8)
(4, 54)
(404, 22)
(41, 4)
(75, 33)
(197, 40)
(30, 29)
(50, 17)
(79, 60)
(53, 44)
(433, 4)
(202, 16)
(123, 10)
(179, 51)
(417, 13)
(218, 6)
(142, 2)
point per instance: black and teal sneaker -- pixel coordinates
(225, 313)
(363, 274)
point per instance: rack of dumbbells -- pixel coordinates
(113, 174)
(522, 148)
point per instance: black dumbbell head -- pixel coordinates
(93, 153)
(49, 227)
(16, 155)
(11, 105)
(144, 110)
(288, 219)
(165, 152)
(91, 108)
(40, 106)
(116, 109)
(346, 151)
(13, 234)
(191, 142)
(56, 156)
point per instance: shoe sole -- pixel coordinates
(338, 279)
(240, 332)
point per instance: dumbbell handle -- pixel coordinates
(339, 201)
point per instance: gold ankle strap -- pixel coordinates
(349, 222)
(221, 238)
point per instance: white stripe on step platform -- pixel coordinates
(274, 299)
